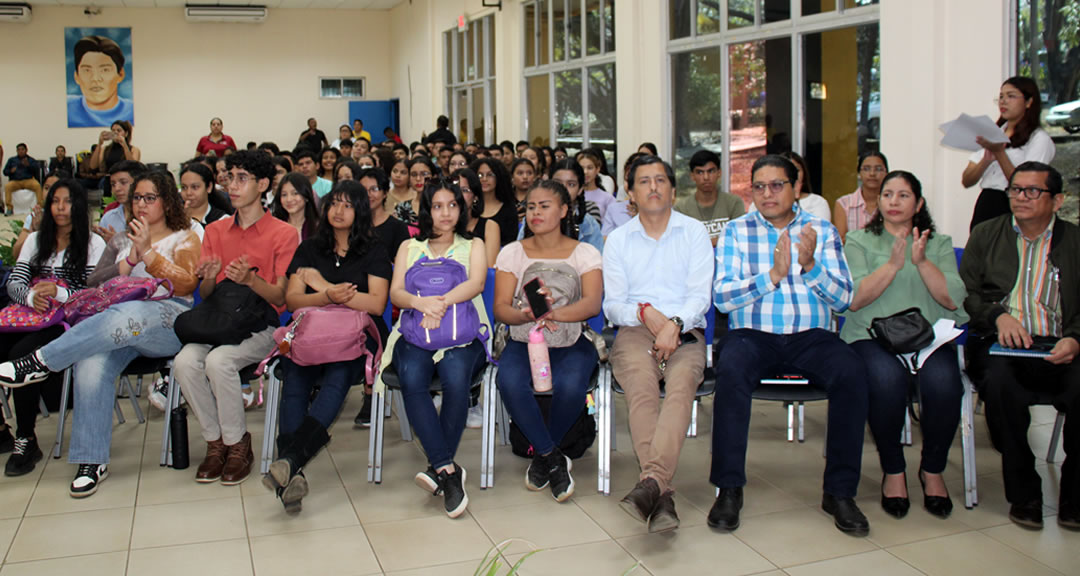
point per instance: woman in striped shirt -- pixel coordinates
(63, 248)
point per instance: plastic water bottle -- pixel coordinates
(539, 360)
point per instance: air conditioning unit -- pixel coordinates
(222, 13)
(19, 13)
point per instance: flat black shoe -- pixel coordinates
(940, 506)
(363, 418)
(724, 513)
(896, 507)
(1068, 515)
(1027, 515)
(848, 518)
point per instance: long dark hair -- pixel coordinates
(200, 170)
(568, 226)
(921, 220)
(578, 210)
(351, 165)
(504, 190)
(871, 154)
(303, 188)
(807, 187)
(1030, 122)
(172, 203)
(477, 208)
(361, 235)
(423, 216)
(79, 239)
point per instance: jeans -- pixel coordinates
(439, 433)
(571, 369)
(748, 356)
(940, 394)
(17, 345)
(334, 380)
(100, 347)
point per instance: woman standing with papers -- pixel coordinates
(991, 168)
(897, 262)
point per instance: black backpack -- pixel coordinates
(577, 440)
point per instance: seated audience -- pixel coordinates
(57, 261)
(621, 211)
(327, 160)
(115, 218)
(359, 132)
(548, 242)
(1022, 273)
(114, 146)
(657, 270)
(708, 204)
(570, 175)
(480, 227)
(854, 211)
(899, 261)
(304, 160)
(196, 182)
(443, 237)
(22, 172)
(344, 264)
(498, 197)
(522, 176)
(33, 220)
(216, 143)
(295, 203)
(536, 156)
(421, 169)
(597, 198)
(346, 170)
(252, 249)
(808, 198)
(61, 162)
(344, 133)
(780, 274)
(159, 244)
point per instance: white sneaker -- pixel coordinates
(159, 394)
(87, 479)
(476, 417)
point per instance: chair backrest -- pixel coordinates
(388, 314)
(488, 295)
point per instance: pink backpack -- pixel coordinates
(19, 318)
(85, 303)
(324, 334)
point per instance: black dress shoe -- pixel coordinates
(846, 514)
(940, 506)
(640, 502)
(896, 507)
(1068, 515)
(663, 517)
(1027, 515)
(724, 513)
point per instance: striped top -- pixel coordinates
(21, 276)
(854, 206)
(1035, 300)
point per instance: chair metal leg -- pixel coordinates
(119, 413)
(601, 430)
(134, 398)
(905, 433)
(378, 405)
(692, 432)
(6, 406)
(967, 440)
(403, 417)
(173, 403)
(802, 422)
(43, 408)
(487, 450)
(607, 430)
(65, 393)
(1055, 437)
(790, 421)
(380, 441)
(270, 426)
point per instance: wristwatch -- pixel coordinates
(678, 322)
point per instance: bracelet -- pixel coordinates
(641, 311)
(130, 263)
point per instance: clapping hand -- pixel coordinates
(781, 258)
(918, 245)
(139, 234)
(208, 268)
(807, 246)
(896, 255)
(240, 271)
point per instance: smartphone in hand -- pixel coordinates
(537, 301)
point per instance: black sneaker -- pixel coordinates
(536, 477)
(454, 496)
(22, 371)
(363, 419)
(562, 483)
(7, 441)
(23, 457)
(87, 479)
(428, 481)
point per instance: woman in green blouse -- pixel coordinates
(897, 262)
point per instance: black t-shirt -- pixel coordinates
(507, 219)
(314, 141)
(391, 234)
(351, 268)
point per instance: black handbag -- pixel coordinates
(905, 332)
(231, 314)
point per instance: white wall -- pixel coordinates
(938, 59)
(261, 79)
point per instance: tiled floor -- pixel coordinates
(148, 520)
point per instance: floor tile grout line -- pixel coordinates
(1015, 549)
(352, 504)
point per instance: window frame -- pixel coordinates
(341, 87)
(455, 79)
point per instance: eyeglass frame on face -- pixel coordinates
(241, 179)
(1015, 191)
(147, 199)
(874, 169)
(459, 164)
(482, 176)
(776, 186)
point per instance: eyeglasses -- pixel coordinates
(776, 186)
(485, 175)
(374, 190)
(1002, 97)
(459, 164)
(874, 169)
(240, 179)
(147, 199)
(1031, 192)
(421, 175)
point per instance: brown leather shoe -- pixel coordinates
(640, 502)
(663, 516)
(238, 461)
(213, 464)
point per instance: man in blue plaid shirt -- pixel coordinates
(780, 274)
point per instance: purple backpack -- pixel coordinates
(85, 303)
(461, 323)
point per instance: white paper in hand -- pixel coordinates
(961, 133)
(945, 331)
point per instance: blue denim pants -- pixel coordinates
(439, 432)
(571, 368)
(100, 347)
(334, 380)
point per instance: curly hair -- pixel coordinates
(921, 220)
(171, 201)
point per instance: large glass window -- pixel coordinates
(470, 80)
(697, 92)
(571, 102)
(760, 109)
